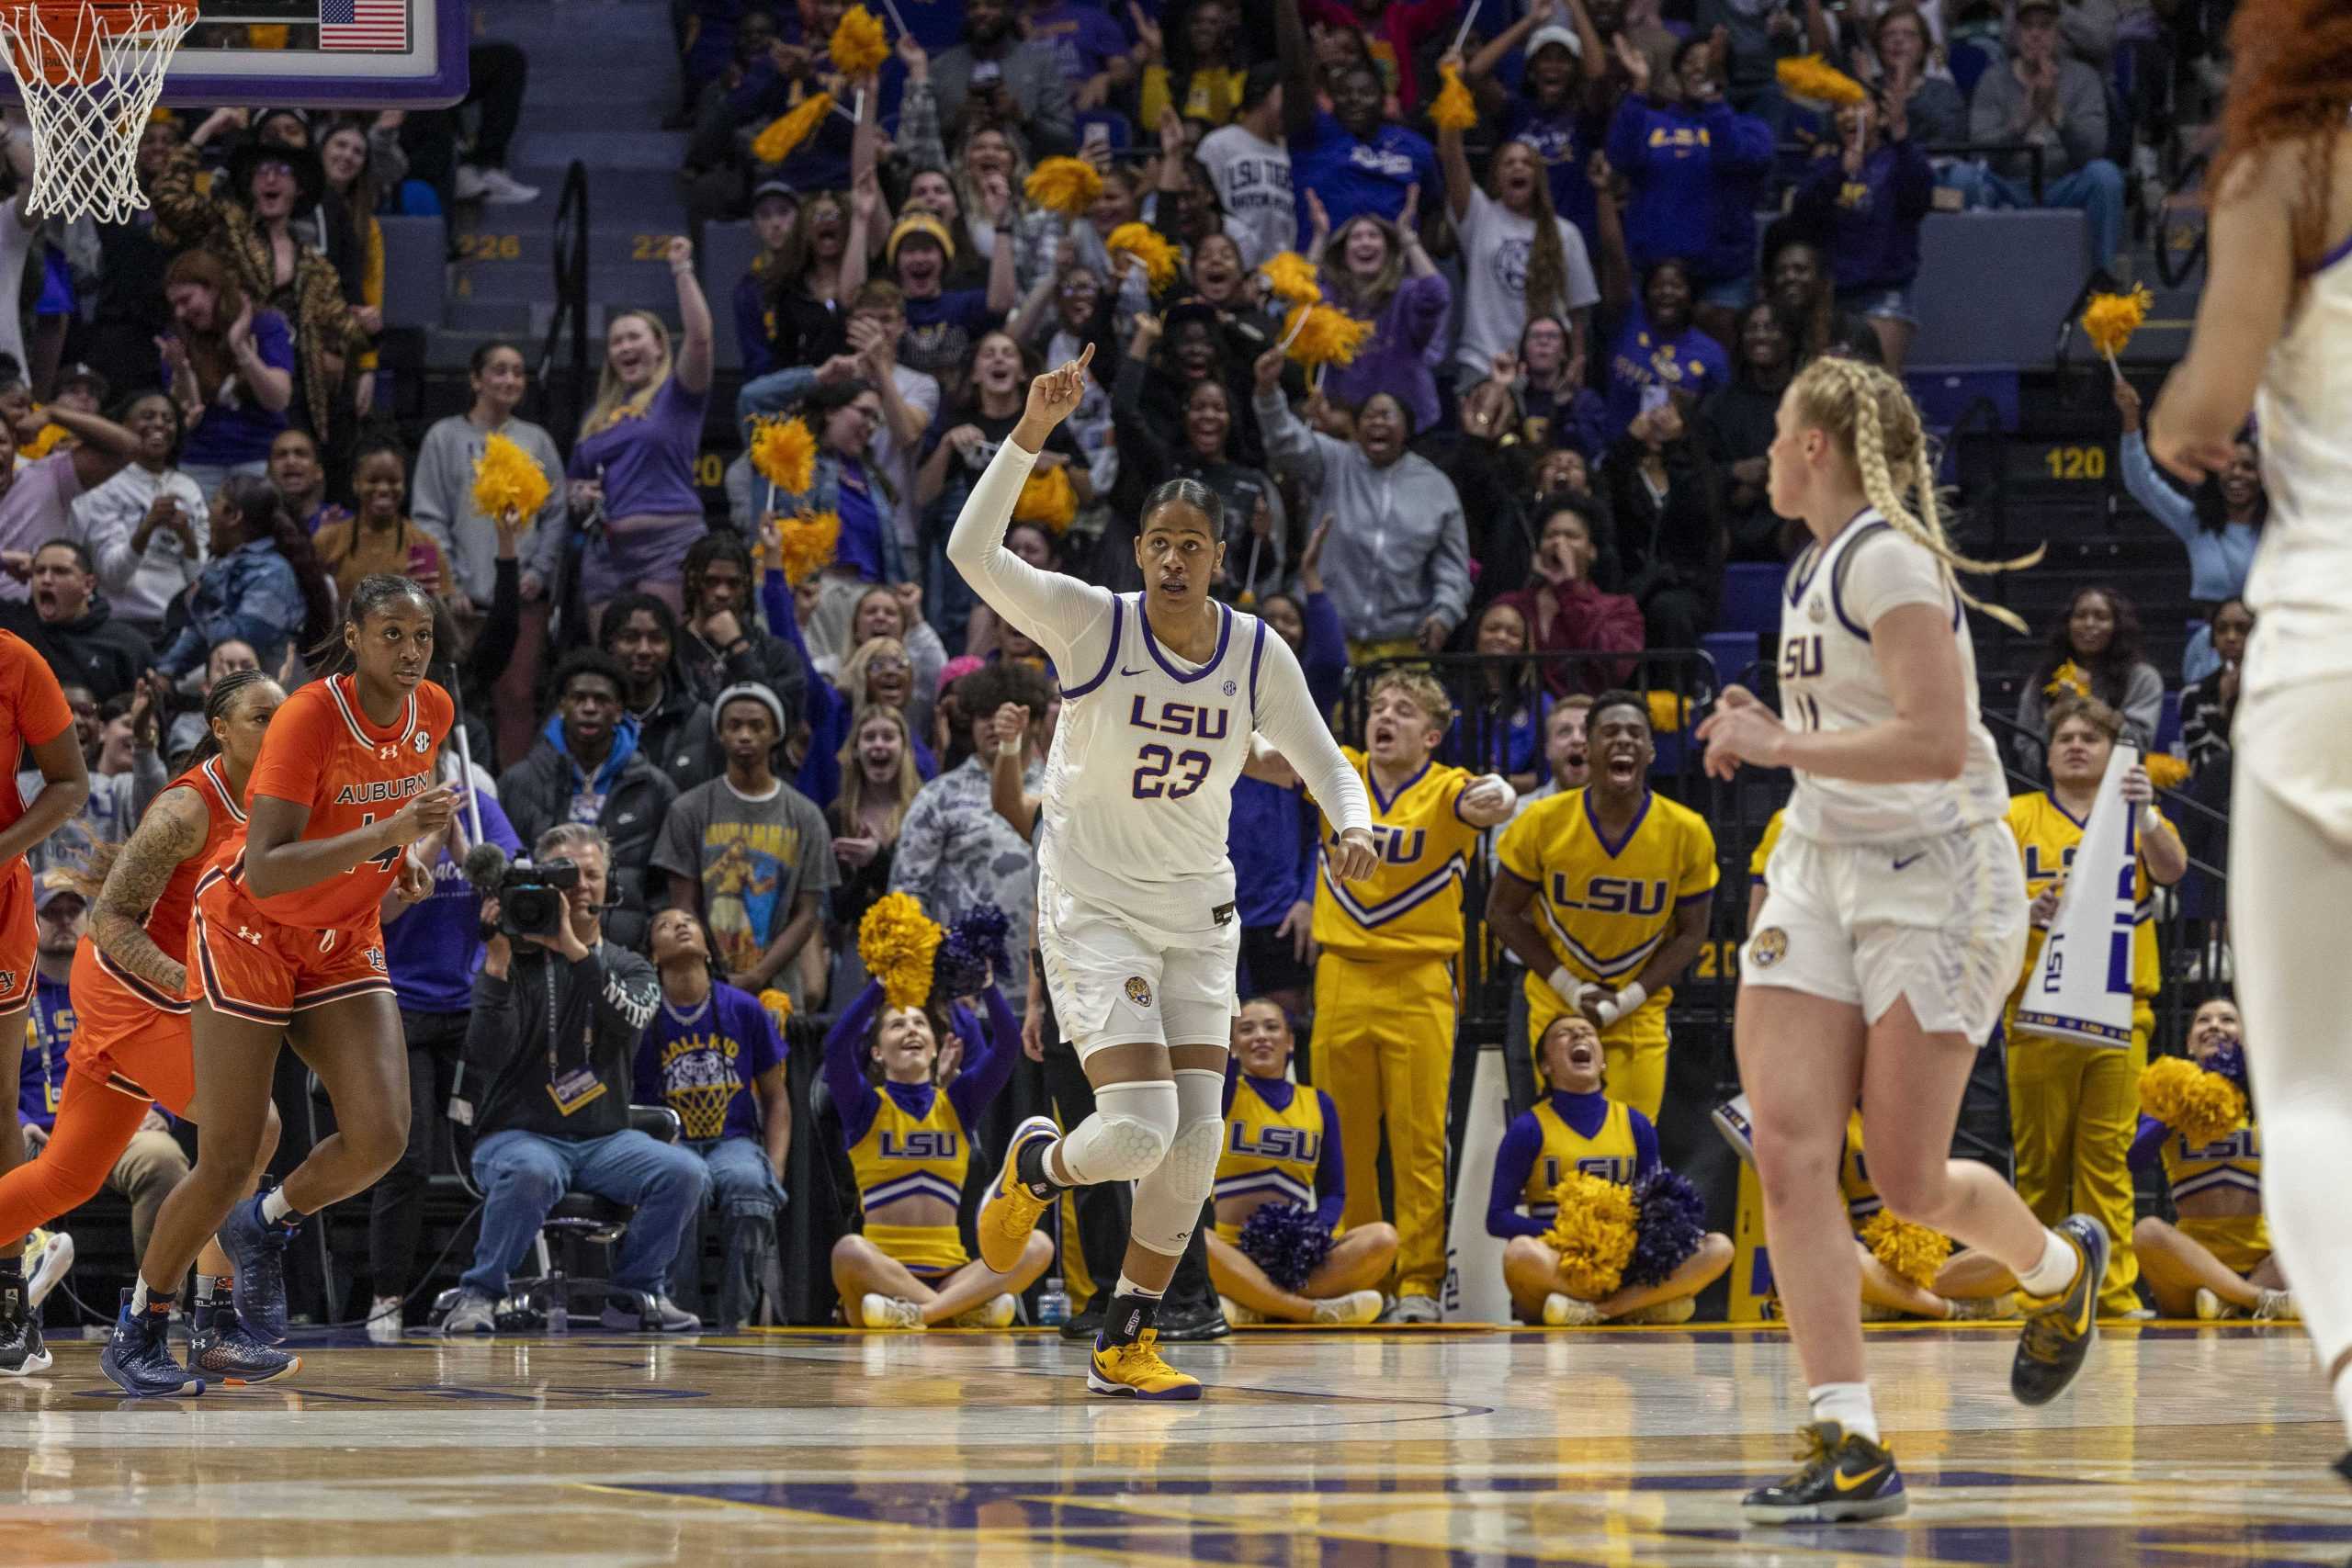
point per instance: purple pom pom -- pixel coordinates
(973, 950)
(2229, 1060)
(1287, 1241)
(1671, 1220)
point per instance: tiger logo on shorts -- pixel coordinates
(1772, 946)
(1138, 991)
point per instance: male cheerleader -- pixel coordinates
(1625, 883)
(1386, 996)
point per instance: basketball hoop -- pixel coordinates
(91, 71)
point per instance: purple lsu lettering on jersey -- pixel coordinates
(1163, 772)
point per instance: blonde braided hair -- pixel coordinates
(1868, 412)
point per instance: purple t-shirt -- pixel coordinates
(1083, 39)
(701, 1061)
(648, 463)
(34, 511)
(234, 428)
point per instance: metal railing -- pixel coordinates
(565, 408)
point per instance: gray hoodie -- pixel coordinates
(1398, 551)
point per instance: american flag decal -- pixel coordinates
(363, 24)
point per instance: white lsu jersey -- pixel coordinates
(1830, 681)
(1139, 783)
(2301, 587)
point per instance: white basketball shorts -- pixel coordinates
(1939, 921)
(1116, 979)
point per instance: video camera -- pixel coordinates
(530, 896)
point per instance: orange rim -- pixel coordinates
(67, 49)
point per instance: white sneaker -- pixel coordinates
(47, 1255)
(1418, 1309)
(2277, 1306)
(1355, 1307)
(1236, 1314)
(493, 186)
(889, 1311)
(1682, 1309)
(2212, 1308)
(384, 1320)
(994, 1313)
(1561, 1311)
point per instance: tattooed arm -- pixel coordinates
(170, 832)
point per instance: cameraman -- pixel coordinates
(551, 1051)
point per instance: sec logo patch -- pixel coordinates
(1139, 990)
(1772, 946)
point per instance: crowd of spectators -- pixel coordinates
(1580, 313)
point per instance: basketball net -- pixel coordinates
(91, 71)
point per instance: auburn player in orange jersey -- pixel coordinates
(35, 722)
(131, 1038)
(285, 945)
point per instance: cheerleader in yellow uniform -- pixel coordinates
(2071, 1105)
(1283, 1145)
(2215, 1258)
(910, 1145)
(1576, 1128)
(1384, 993)
(1958, 1290)
(1622, 882)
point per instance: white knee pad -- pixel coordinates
(1168, 1201)
(1127, 1137)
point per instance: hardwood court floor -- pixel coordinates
(2182, 1447)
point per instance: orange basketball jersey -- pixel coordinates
(323, 752)
(167, 923)
(32, 711)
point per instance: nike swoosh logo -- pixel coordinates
(1907, 860)
(1856, 1483)
(1130, 675)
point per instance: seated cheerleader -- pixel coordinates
(1575, 1129)
(1278, 1252)
(2214, 1259)
(911, 1146)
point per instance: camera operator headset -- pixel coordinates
(566, 1029)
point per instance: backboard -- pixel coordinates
(319, 54)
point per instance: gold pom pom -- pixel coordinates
(1144, 243)
(2167, 770)
(1292, 276)
(858, 45)
(2198, 1105)
(779, 1006)
(52, 437)
(1047, 497)
(898, 941)
(1454, 109)
(1912, 1252)
(1318, 334)
(1669, 713)
(805, 543)
(1066, 186)
(1593, 1232)
(784, 453)
(507, 480)
(788, 131)
(1815, 80)
(2110, 320)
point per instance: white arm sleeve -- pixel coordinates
(1071, 619)
(1286, 717)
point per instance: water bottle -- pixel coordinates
(1052, 1304)
(559, 1305)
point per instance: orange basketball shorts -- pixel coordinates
(128, 1036)
(246, 965)
(17, 937)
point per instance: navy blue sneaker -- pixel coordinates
(138, 1356)
(2060, 1332)
(256, 1251)
(222, 1346)
(1842, 1476)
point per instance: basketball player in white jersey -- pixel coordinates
(1134, 904)
(1892, 925)
(2274, 334)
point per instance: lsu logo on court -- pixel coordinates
(1139, 990)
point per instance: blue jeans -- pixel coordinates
(745, 1191)
(2096, 190)
(522, 1175)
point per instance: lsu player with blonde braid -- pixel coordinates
(1386, 991)
(1894, 923)
(1624, 883)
